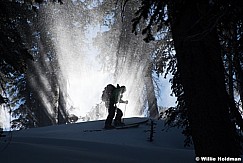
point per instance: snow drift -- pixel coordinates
(80, 143)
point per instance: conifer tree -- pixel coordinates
(194, 27)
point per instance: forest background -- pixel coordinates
(199, 43)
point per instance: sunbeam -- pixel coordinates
(80, 65)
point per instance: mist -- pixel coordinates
(81, 64)
(79, 48)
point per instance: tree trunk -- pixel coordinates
(62, 115)
(152, 100)
(202, 72)
(230, 76)
(239, 76)
(237, 65)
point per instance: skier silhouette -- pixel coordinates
(114, 98)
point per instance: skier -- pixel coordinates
(114, 98)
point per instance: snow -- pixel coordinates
(77, 142)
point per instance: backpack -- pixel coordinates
(107, 92)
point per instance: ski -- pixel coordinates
(95, 130)
(135, 123)
(129, 125)
(115, 127)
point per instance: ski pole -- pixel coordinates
(124, 112)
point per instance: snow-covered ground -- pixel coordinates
(73, 143)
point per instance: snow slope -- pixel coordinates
(77, 143)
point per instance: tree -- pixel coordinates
(200, 67)
(19, 32)
(128, 54)
(14, 52)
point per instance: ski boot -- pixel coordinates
(109, 127)
(119, 123)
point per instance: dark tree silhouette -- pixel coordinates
(14, 54)
(194, 27)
